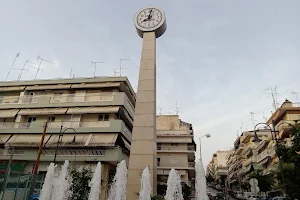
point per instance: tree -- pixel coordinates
(290, 164)
(209, 178)
(80, 183)
(245, 185)
(186, 190)
(161, 189)
(264, 181)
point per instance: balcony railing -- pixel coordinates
(76, 124)
(8, 125)
(30, 99)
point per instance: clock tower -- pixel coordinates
(150, 23)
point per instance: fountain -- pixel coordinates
(95, 183)
(174, 190)
(117, 189)
(145, 185)
(201, 190)
(61, 185)
(47, 187)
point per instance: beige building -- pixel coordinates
(218, 166)
(95, 114)
(175, 149)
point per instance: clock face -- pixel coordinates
(149, 18)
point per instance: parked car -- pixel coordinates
(35, 197)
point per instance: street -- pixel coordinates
(213, 191)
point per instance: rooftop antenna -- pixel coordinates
(70, 76)
(12, 65)
(176, 108)
(252, 118)
(265, 117)
(95, 63)
(116, 72)
(39, 67)
(23, 68)
(121, 60)
(170, 111)
(274, 94)
(296, 95)
(159, 110)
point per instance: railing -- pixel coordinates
(77, 124)
(82, 98)
(267, 152)
(191, 148)
(19, 99)
(8, 125)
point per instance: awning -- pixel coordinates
(100, 139)
(26, 140)
(8, 113)
(48, 87)
(4, 138)
(14, 88)
(68, 140)
(43, 111)
(95, 85)
(112, 109)
(174, 139)
(127, 145)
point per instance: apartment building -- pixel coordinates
(95, 116)
(218, 166)
(243, 160)
(175, 149)
(280, 119)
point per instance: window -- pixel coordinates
(103, 117)
(174, 159)
(158, 162)
(174, 144)
(31, 119)
(51, 119)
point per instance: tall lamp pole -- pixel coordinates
(207, 136)
(274, 137)
(61, 133)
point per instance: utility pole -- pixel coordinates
(8, 172)
(95, 63)
(120, 68)
(12, 65)
(39, 67)
(37, 162)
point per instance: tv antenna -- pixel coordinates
(265, 117)
(252, 118)
(23, 68)
(39, 67)
(95, 63)
(159, 110)
(176, 108)
(12, 65)
(120, 68)
(273, 92)
(296, 95)
(116, 73)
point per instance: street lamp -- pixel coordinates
(207, 136)
(60, 139)
(274, 137)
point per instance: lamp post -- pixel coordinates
(274, 137)
(207, 136)
(61, 133)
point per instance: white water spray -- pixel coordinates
(145, 193)
(117, 189)
(174, 190)
(47, 187)
(95, 184)
(61, 185)
(201, 190)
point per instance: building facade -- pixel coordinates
(95, 116)
(175, 149)
(218, 166)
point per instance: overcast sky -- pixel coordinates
(216, 57)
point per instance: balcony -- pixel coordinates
(69, 100)
(240, 149)
(179, 148)
(262, 144)
(191, 164)
(267, 153)
(112, 126)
